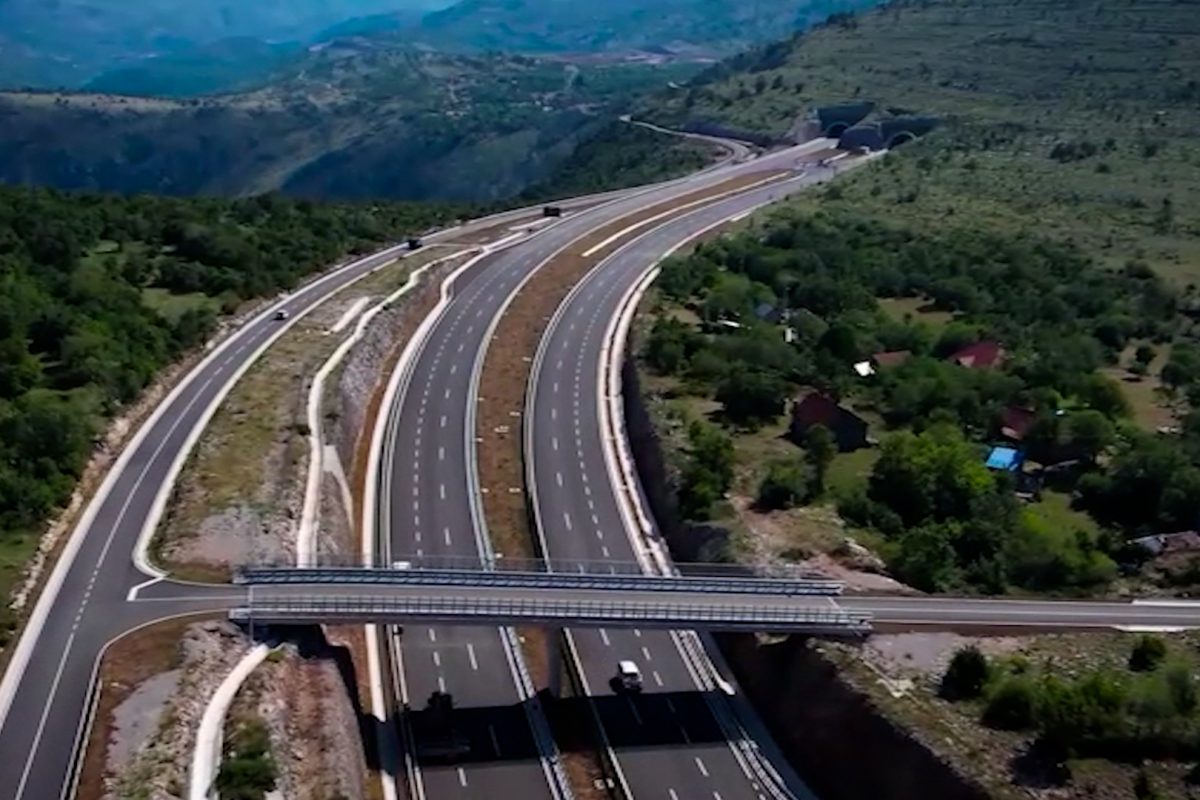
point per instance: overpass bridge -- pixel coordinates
(338, 595)
(535, 580)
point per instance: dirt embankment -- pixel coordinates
(830, 731)
(304, 693)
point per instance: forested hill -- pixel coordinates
(97, 293)
(355, 120)
(1072, 118)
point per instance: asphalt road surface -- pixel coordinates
(666, 740)
(46, 695)
(426, 496)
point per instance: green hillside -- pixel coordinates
(1074, 118)
(357, 119)
(97, 293)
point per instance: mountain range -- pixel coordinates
(165, 47)
(450, 109)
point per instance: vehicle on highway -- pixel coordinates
(552, 211)
(629, 677)
(415, 244)
(281, 315)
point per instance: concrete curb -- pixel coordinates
(306, 532)
(206, 757)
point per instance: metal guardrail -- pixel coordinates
(494, 562)
(536, 580)
(552, 611)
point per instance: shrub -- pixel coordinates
(1148, 652)
(1012, 706)
(786, 485)
(966, 676)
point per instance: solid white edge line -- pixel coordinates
(623, 478)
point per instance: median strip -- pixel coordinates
(510, 354)
(502, 389)
(240, 495)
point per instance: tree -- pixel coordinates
(1183, 368)
(936, 475)
(1144, 355)
(708, 472)
(1181, 686)
(821, 448)
(1148, 652)
(1089, 432)
(966, 676)
(786, 485)
(752, 397)
(1012, 706)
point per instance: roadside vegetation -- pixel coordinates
(749, 326)
(622, 155)
(247, 770)
(1069, 118)
(1145, 709)
(99, 293)
(1109, 716)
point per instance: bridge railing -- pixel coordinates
(789, 572)
(781, 618)
(535, 580)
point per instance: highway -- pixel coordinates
(669, 743)
(580, 519)
(429, 508)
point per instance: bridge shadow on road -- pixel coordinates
(501, 733)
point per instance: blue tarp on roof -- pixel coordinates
(1005, 458)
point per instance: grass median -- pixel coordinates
(240, 494)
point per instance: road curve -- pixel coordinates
(579, 516)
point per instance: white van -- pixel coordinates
(629, 677)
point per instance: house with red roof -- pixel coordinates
(893, 358)
(1016, 422)
(849, 430)
(987, 354)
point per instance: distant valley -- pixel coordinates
(480, 101)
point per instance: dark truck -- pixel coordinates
(551, 211)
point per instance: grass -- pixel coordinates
(1151, 407)
(1060, 117)
(903, 308)
(850, 469)
(173, 306)
(1055, 509)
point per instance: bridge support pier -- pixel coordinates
(554, 660)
